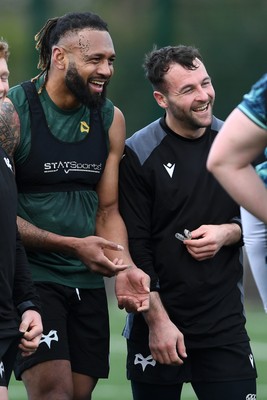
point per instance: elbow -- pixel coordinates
(213, 165)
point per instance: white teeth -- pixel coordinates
(202, 108)
(97, 83)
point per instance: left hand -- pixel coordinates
(132, 289)
(31, 325)
(206, 241)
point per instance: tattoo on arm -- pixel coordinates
(9, 128)
(32, 236)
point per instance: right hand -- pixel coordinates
(132, 290)
(32, 327)
(166, 343)
(90, 250)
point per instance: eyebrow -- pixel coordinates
(189, 85)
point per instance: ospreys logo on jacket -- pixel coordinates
(55, 165)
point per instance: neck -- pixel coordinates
(181, 128)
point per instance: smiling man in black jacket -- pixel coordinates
(194, 330)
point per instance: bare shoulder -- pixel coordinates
(9, 127)
(117, 131)
(118, 118)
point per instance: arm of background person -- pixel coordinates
(237, 144)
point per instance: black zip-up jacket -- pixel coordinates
(17, 292)
(165, 188)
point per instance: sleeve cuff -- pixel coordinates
(27, 305)
(237, 220)
(154, 285)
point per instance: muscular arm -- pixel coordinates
(9, 128)
(238, 143)
(109, 223)
(90, 249)
(132, 285)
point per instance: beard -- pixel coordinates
(191, 121)
(78, 88)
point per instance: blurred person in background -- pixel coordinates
(66, 140)
(242, 138)
(184, 231)
(20, 320)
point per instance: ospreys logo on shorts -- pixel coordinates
(8, 164)
(52, 335)
(2, 369)
(144, 361)
(251, 359)
(251, 397)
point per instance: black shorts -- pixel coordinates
(75, 328)
(227, 363)
(9, 342)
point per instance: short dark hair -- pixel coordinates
(158, 61)
(55, 28)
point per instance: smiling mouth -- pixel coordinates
(202, 108)
(100, 84)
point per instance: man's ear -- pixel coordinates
(59, 57)
(160, 99)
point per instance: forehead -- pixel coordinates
(179, 76)
(88, 41)
(3, 66)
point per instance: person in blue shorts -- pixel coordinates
(244, 137)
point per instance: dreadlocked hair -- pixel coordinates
(55, 28)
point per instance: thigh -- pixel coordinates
(88, 333)
(255, 239)
(234, 390)
(146, 391)
(49, 380)
(3, 393)
(83, 386)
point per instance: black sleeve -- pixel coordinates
(135, 207)
(25, 296)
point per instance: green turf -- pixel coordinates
(117, 387)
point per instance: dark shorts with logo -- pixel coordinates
(75, 328)
(9, 342)
(233, 362)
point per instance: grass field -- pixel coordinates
(117, 387)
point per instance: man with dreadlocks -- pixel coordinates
(66, 139)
